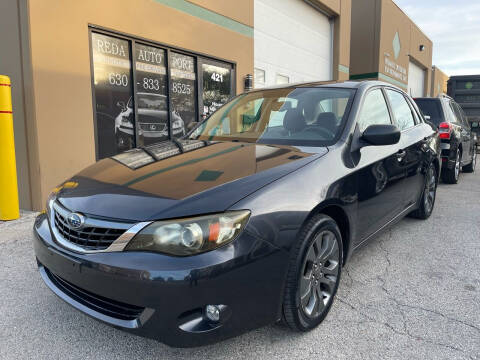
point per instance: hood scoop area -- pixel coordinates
(139, 157)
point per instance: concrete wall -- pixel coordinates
(341, 43)
(394, 20)
(375, 24)
(439, 82)
(61, 125)
(242, 11)
(365, 30)
(11, 65)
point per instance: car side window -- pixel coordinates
(462, 115)
(374, 110)
(415, 112)
(401, 110)
(456, 117)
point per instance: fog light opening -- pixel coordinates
(212, 312)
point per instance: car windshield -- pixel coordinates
(432, 108)
(290, 116)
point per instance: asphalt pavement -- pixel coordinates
(412, 293)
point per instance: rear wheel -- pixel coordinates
(314, 274)
(450, 176)
(470, 168)
(427, 201)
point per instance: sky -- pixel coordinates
(454, 28)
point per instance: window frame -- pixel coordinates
(382, 91)
(417, 115)
(463, 117)
(132, 40)
(450, 109)
(408, 104)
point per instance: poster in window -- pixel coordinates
(217, 87)
(183, 93)
(113, 92)
(152, 100)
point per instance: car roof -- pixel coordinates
(347, 84)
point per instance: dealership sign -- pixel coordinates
(391, 67)
(395, 70)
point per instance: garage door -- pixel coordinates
(293, 43)
(416, 80)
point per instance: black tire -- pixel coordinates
(470, 168)
(323, 277)
(429, 194)
(450, 176)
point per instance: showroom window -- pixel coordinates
(145, 92)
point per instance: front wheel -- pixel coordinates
(314, 274)
(429, 194)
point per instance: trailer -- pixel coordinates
(465, 90)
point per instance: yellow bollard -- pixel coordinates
(9, 209)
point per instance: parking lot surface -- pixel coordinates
(412, 293)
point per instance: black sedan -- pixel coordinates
(246, 220)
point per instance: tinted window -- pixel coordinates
(374, 110)
(151, 86)
(401, 110)
(461, 114)
(303, 116)
(113, 90)
(415, 112)
(183, 92)
(432, 108)
(453, 113)
(217, 86)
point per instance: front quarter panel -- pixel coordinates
(280, 209)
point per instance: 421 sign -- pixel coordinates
(217, 77)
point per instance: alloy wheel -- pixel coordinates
(430, 190)
(457, 165)
(320, 273)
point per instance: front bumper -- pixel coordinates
(164, 297)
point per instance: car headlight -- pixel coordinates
(53, 195)
(190, 236)
(126, 120)
(50, 200)
(177, 124)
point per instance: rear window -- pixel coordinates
(432, 108)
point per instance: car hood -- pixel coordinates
(137, 186)
(161, 114)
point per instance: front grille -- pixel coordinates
(89, 238)
(152, 126)
(109, 307)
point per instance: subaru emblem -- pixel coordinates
(75, 221)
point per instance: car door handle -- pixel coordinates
(401, 154)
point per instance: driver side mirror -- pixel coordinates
(379, 135)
